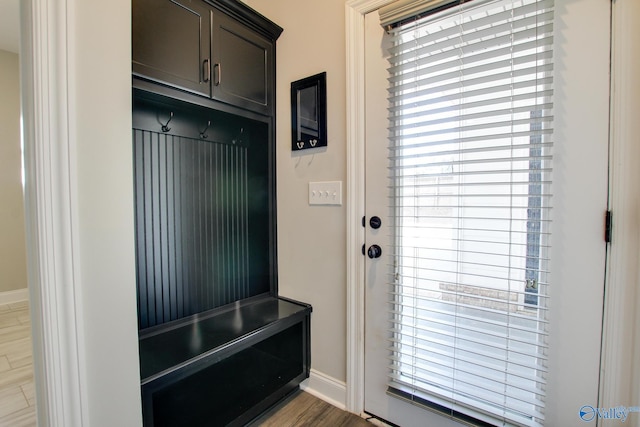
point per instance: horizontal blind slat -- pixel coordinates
(422, 119)
(419, 154)
(424, 73)
(485, 81)
(485, 184)
(442, 61)
(500, 128)
(493, 372)
(472, 407)
(424, 340)
(545, 93)
(425, 310)
(492, 19)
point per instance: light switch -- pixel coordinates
(325, 193)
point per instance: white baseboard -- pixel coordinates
(10, 297)
(326, 388)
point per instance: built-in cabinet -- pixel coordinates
(218, 344)
(198, 47)
(171, 43)
(242, 62)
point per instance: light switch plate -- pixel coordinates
(325, 193)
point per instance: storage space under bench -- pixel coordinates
(226, 366)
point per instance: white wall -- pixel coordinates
(101, 112)
(312, 239)
(13, 264)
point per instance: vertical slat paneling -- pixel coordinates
(171, 225)
(156, 240)
(141, 259)
(225, 220)
(231, 224)
(177, 206)
(148, 229)
(162, 243)
(245, 224)
(192, 242)
(190, 235)
(217, 203)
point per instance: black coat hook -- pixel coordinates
(165, 127)
(238, 137)
(203, 134)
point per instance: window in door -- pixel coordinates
(471, 136)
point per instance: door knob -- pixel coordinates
(374, 251)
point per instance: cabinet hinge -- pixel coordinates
(607, 226)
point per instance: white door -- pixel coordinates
(577, 248)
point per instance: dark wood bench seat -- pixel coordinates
(225, 366)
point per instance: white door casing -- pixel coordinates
(49, 210)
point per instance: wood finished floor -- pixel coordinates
(305, 409)
(17, 393)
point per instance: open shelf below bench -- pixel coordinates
(224, 367)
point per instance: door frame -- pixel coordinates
(355, 50)
(620, 376)
(50, 213)
(70, 287)
(621, 298)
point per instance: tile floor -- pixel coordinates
(17, 393)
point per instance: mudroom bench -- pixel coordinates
(218, 345)
(226, 366)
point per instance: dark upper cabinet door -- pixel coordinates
(242, 65)
(171, 43)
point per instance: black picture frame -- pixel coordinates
(309, 112)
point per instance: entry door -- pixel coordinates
(577, 248)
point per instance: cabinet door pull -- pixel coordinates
(217, 71)
(206, 70)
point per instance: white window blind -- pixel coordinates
(471, 138)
